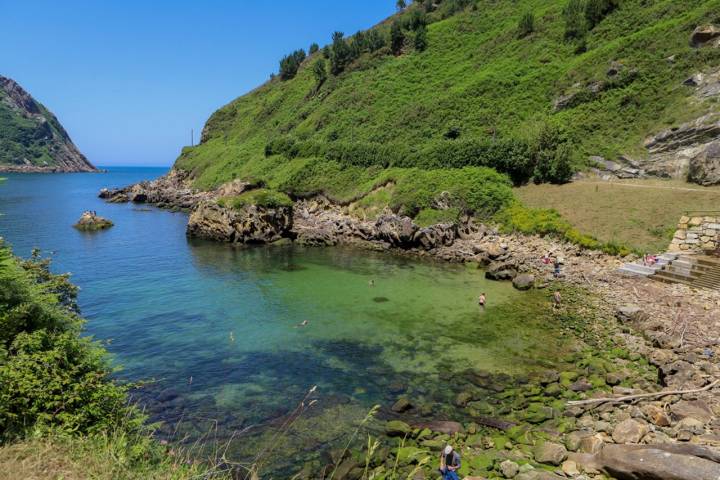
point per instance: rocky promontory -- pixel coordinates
(32, 138)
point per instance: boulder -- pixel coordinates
(704, 34)
(90, 222)
(524, 281)
(509, 469)
(591, 444)
(550, 452)
(696, 409)
(629, 431)
(656, 415)
(501, 271)
(655, 462)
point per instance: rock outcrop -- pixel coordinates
(705, 35)
(33, 140)
(249, 224)
(173, 190)
(90, 222)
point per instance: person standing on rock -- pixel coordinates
(557, 268)
(557, 299)
(449, 464)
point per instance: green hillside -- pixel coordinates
(480, 94)
(31, 137)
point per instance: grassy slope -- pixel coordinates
(476, 75)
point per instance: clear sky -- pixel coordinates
(129, 79)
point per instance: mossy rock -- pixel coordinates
(568, 377)
(538, 413)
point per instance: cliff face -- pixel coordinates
(31, 138)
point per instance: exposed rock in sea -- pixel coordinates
(173, 190)
(89, 221)
(248, 224)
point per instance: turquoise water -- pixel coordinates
(216, 328)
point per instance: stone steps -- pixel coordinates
(695, 270)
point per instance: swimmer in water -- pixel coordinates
(371, 283)
(482, 299)
(302, 324)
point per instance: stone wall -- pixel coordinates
(697, 234)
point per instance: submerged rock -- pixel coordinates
(524, 281)
(90, 222)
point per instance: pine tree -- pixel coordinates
(340, 54)
(314, 48)
(401, 5)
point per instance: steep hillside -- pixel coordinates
(524, 87)
(31, 138)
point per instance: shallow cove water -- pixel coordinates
(217, 327)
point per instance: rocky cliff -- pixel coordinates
(31, 137)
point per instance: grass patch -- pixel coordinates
(544, 221)
(99, 456)
(432, 216)
(261, 197)
(642, 214)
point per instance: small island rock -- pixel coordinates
(90, 221)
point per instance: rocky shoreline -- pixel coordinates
(668, 328)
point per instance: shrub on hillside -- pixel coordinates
(553, 156)
(320, 73)
(596, 10)
(526, 25)
(476, 190)
(50, 376)
(314, 47)
(574, 15)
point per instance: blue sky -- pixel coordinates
(129, 79)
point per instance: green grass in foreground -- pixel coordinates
(640, 214)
